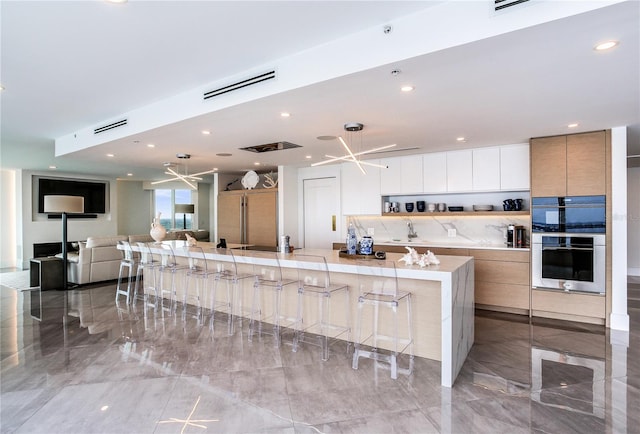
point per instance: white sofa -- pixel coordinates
(98, 259)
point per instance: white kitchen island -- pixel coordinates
(443, 297)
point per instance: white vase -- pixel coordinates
(158, 232)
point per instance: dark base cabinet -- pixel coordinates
(46, 273)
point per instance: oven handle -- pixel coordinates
(586, 249)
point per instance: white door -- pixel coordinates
(321, 197)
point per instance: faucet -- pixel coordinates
(412, 233)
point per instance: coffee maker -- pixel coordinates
(516, 236)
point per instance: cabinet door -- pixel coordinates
(360, 193)
(391, 177)
(486, 169)
(514, 167)
(261, 211)
(549, 166)
(434, 172)
(411, 174)
(586, 164)
(230, 216)
(459, 171)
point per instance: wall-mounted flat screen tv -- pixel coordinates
(94, 193)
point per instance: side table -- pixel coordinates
(46, 273)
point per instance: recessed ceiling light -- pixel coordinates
(150, 145)
(1, 87)
(110, 155)
(117, 1)
(572, 125)
(308, 157)
(285, 114)
(326, 137)
(52, 167)
(223, 154)
(206, 132)
(256, 163)
(460, 139)
(407, 88)
(215, 168)
(129, 174)
(605, 45)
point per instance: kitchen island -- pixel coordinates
(443, 296)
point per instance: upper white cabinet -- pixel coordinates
(360, 193)
(514, 167)
(486, 169)
(459, 171)
(434, 172)
(403, 176)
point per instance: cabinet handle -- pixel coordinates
(333, 223)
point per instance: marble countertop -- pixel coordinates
(421, 243)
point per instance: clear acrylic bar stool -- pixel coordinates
(314, 282)
(128, 262)
(268, 278)
(378, 282)
(203, 275)
(168, 265)
(227, 271)
(149, 264)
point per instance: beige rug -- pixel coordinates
(18, 280)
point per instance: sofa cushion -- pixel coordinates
(104, 241)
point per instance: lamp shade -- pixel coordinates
(186, 208)
(68, 204)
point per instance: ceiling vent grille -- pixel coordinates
(239, 85)
(111, 126)
(269, 147)
(504, 4)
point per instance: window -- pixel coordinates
(165, 201)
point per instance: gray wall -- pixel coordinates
(134, 208)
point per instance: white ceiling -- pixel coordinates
(69, 66)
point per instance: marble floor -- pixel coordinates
(87, 367)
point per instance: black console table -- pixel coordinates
(46, 273)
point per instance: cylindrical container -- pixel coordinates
(366, 245)
(520, 236)
(387, 207)
(284, 244)
(408, 206)
(395, 207)
(510, 235)
(431, 207)
(421, 205)
(352, 240)
(442, 207)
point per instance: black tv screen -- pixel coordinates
(94, 193)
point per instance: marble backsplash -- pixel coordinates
(433, 228)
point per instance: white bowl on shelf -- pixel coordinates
(483, 207)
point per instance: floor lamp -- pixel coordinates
(185, 208)
(64, 205)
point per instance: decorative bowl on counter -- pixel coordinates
(483, 207)
(456, 208)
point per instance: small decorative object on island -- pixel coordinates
(190, 240)
(158, 232)
(352, 240)
(366, 245)
(424, 260)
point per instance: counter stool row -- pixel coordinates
(314, 321)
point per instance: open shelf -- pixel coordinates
(454, 213)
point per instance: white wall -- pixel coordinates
(288, 204)
(8, 238)
(633, 221)
(134, 208)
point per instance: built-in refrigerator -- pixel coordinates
(248, 217)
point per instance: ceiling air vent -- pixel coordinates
(239, 85)
(111, 126)
(503, 4)
(268, 147)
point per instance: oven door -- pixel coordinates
(569, 262)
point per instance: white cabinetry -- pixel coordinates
(514, 167)
(486, 169)
(360, 193)
(403, 176)
(459, 171)
(434, 172)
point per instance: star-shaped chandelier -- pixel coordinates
(186, 178)
(353, 128)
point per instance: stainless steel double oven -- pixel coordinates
(568, 243)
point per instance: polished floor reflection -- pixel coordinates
(88, 367)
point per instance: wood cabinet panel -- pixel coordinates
(261, 214)
(516, 273)
(514, 255)
(548, 166)
(586, 164)
(562, 303)
(447, 251)
(501, 294)
(230, 216)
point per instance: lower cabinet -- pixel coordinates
(585, 308)
(502, 277)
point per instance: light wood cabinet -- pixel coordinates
(486, 169)
(360, 193)
(459, 171)
(434, 172)
(568, 306)
(571, 165)
(248, 216)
